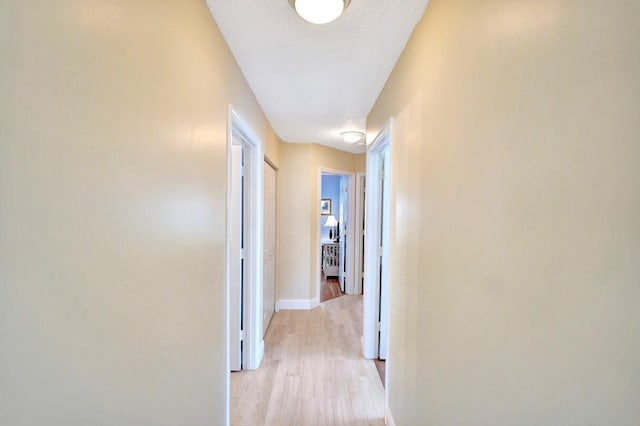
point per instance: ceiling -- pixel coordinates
(315, 81)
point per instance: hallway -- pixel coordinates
(312, 373)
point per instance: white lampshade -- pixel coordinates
(331, 221)
(319, 11)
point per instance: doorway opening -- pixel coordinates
(337, 242)
(377, 274)
(244, 249)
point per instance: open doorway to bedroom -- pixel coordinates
(337, 248)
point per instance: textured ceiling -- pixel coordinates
(315, 81)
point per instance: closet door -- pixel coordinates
(269, 283)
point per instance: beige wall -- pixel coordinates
(272, 146)
(294, 223)
(112, 185)
(360, 163)
(516, 172)
(298, 214)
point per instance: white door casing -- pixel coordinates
(384, 278)
(359, 231)
(349, 250)
(248, 312)
(235, 258)
(377, 268)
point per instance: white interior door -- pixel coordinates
(269, 268)
(236, 262)
(360, 231)
(383, 238)
(376, 275)
(244, 246)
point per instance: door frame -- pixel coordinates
(359, 234)
(350, 225)
(236, 268)
(253, 343)
(372, 295)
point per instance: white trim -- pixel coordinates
(227, 406)
(234, 261)
(371, 344)
(298, 304)
(388, 418)
(382, 139)
(386, 256)
(253, 345)
(370, 341)
(261, 349)
(358, 258)
(350, 243)
(387, 374)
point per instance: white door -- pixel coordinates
(378, 222)
(236, 262)
(269, 265)
(383, 238)
(244, 246)
(360, 231)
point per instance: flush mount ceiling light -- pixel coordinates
(319, 11)
(351, 136)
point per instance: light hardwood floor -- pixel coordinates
(313, 372)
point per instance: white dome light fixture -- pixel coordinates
(319, 11)
(352, 136)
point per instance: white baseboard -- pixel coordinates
(388, 418)
(260, 352)
(297, 304)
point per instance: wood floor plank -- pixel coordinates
(329, 289)
(313, 372)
